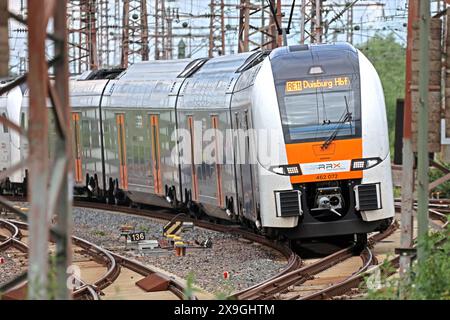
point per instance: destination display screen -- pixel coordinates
(306, 86)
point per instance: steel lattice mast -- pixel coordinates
(49, 179)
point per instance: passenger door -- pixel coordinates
(193, 163)
(77, 147)
(121, 143)
(245, 170)
(156, 153)
(218, 164)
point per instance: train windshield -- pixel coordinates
(316, 108)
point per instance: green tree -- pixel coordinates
(389, 58)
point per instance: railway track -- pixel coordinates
(318, 280)
(111, 267)
(439, 221)
(291, 284)
(8, 234)
(310, 280)
(293, 260)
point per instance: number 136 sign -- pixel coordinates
(138, 236)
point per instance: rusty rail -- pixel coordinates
(277, 285)
(293, 260)
(293, 272)
(103, 257)
(13, 241)
(340, 288)
(355, 280)
(174, 286)
(15, 234)
(86, 292)
(113, 261)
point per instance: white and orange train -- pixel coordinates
(322, 104)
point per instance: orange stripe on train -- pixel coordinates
(310, 152)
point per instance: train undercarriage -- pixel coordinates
(326, 207)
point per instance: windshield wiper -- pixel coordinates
(347, 116)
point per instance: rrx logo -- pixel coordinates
(328, 166)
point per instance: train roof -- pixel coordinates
(294, 61)
(151, 84)
(155, 70)
(223, 64)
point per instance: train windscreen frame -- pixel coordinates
(313, 107)
(312, 75)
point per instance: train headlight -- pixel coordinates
(372, 162)
(362, 164)
(358, 165)
(287, 170)
(292, 170)
(278, 170)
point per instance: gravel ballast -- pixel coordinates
(247, 263)
(14, 265)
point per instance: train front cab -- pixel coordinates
(332, 174)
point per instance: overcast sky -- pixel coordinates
(370, 19)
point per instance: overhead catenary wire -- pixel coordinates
(193, 16)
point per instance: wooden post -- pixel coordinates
(38, 152)
(61, 183)
(4, 44)
(407, 154)
(50, 187)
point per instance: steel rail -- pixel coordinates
(270, 288)
(174, 286)
(279, 282)
(13, 242)
(355, 281)
(84, 292)
(103, 257)
(342, 287)
(15, 234)
(114, 262)
(293, 260)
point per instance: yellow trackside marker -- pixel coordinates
(173, 228)
(180, 248)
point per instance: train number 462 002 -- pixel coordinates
(326, 176)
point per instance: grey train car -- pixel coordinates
(137, 136)
(12, 145)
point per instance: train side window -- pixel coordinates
(139, 121)
(5, 127)
(95, 133)
(85, 133)
(22, 120)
